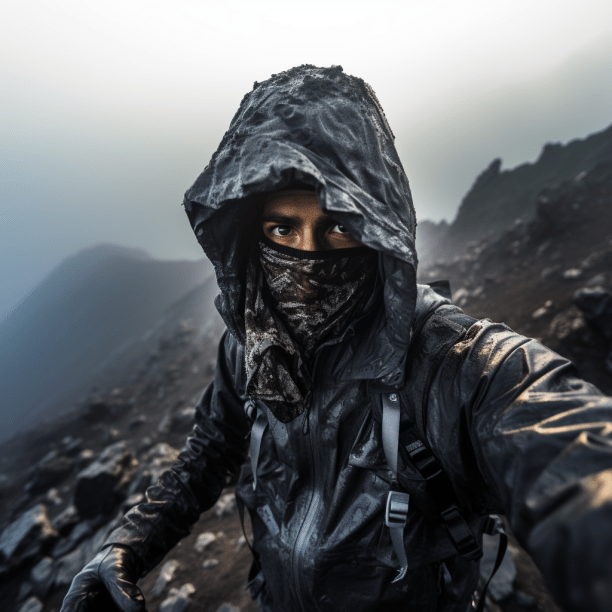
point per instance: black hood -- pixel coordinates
(324, 129)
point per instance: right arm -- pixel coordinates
(215, 447)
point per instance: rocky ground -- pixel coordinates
(65, 484)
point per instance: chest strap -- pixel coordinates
(396, 512)
(438, 485)
(255, 412)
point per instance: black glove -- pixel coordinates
(107, 584)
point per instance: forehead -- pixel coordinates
(292, 203)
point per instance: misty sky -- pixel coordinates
(109, 110)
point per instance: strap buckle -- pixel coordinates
(461, 535)
(396, 512)
(425, 462)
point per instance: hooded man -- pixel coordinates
(385, 425)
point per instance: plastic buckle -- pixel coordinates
(396, 512)
(461, 534)
(425, 462)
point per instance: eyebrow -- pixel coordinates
(272, 217)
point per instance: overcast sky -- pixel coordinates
(109, 110)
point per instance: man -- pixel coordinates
(385, 425)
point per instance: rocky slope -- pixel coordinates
(88, 307)
(65, 483)
(499, 197)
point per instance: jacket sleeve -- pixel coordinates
(541, 439)
(215, 447)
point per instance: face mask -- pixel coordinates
(296, 301)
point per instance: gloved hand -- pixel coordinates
(107, 584)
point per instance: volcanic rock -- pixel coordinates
(78, 534)
(42, 577)
(49, 473)
(178, 599)
(226, 506)
(204, 540)
(70, 565)
(26, 537)
(99, 486)
(140, 482)
(596, 303)
(33, 604)
(165, 576)
(96, 410)
(66, 520)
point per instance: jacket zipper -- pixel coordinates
(315, 498)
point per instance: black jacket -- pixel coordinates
(508, 420)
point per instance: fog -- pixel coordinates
(110, 110)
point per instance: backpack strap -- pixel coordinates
(396, 512)
(257, 413)
(432, 338)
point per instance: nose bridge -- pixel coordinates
(311, 238)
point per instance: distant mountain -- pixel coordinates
(89, 306)
(499, 197)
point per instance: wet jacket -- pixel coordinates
(511, 425)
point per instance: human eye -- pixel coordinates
(339, 229)
(281, 230)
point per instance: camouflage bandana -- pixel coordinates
(295, 301)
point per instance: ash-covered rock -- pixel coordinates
(596, 304)
(33, 604)
(226, 506)
(165, 577)
(42, 577)
(50, 471)
(178, 599)
(101, 485)
(27, 537)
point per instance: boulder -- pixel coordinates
(25, 590)
(33, 604)
(568, 324)
(77, 535)
(66, 520)
(137, 422)
(71, 446)
(84, 458)
(96, 410)
(165, 576)
(226, 506)
(203, 541)
(140, 482)
(596, 304)
(26, 537)
(53, 497)
(178, 599)
(100, 486)
(42, 577)
(70, 565)
(48, 474)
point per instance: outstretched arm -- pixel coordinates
(542, 440)
(216, 447)
(148, 531)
